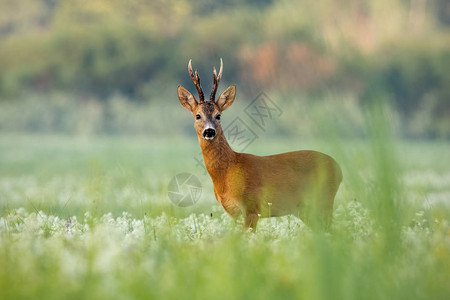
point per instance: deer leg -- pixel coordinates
(250, 220)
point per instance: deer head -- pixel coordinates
(206, 113)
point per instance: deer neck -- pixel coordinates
(217, 155)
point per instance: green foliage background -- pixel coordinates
(78, 51)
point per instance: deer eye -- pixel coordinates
(197, 117)
(218, 117)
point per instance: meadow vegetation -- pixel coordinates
(90, 218)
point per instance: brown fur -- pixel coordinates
(303, 183)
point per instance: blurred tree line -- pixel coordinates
(370, 49)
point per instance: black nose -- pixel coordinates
(209, 133)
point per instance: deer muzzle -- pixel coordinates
(209, 133)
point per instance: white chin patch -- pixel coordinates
(208, 138)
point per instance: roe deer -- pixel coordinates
(303, 183)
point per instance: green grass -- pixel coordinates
(90, 219)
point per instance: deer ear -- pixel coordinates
(226, 98)
(186, 98)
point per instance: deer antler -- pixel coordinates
(216, 81)
(196, 81)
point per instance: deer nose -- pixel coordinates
(209, 133)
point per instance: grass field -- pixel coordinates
(89, 218)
